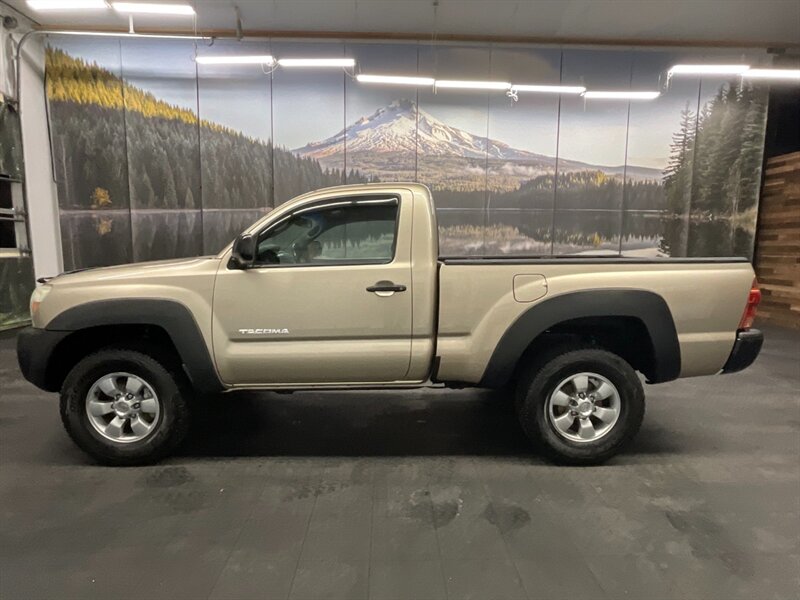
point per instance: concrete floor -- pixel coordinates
(421, 495)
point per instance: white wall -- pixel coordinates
(40, 189)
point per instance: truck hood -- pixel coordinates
(142, 269)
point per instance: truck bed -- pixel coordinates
(481, 297)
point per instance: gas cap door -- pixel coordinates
(529, 287)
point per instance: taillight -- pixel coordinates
(749, 314)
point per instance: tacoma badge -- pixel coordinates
(263, 331)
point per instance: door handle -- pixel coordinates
(386, 288)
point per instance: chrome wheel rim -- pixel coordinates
(584, 407)
(122, 407)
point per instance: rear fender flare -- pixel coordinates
(650, 308)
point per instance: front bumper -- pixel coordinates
(745, 350)
(35, 348)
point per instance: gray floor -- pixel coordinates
(414, 495)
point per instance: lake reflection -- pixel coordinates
(220, 227)
(94, 238)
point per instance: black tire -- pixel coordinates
(541, 380)
(169, 385)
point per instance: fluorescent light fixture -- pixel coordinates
(707, 69)
(317, 62)
(549, 89)
(614, 95)
(67, 4)
(472, 85)
(395, 79)
(791, 74)
(261, 59)
(121, 34)
(153, 9)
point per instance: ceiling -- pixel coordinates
(729, 22)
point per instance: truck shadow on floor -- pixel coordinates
(368, 423)
(363, 423)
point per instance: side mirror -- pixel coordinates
(244, 251)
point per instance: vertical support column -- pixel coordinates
(40, 188)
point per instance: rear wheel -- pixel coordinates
(581, 406)
(123, 407)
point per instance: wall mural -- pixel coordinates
(157, 156)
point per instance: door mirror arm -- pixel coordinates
(244, 252)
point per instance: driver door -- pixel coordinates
(328, 299)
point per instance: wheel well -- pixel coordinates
(150, 339)
(626, 337)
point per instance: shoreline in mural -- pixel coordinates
(179, 184)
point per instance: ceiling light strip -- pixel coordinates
(778, 74)
(452, 84)
(621, 95)
(317, 62)
(67, 4)
(260, 59)
(707, 69)
(161, 36)
(471, 85)
(394, 79)
(153, 9)
(548, 89)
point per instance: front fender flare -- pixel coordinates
(173, 317)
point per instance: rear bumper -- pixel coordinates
(745, 350)
(35, 348)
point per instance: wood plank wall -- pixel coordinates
(777, 253)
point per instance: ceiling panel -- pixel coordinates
(773, 22)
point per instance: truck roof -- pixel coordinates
(356, 187)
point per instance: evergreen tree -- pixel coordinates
(678, 174)
(170, 194)
(148, 195)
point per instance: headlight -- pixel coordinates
(38, 296)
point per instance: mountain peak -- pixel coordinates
(403, 104)
(396, 109)
(401, 126)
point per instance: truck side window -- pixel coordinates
(332, 235)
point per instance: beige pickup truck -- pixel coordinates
(344, 288)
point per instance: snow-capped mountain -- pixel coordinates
(401, 128)
(394, 128)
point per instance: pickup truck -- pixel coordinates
(344, 288)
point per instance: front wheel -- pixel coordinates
(581, 406)
(123, 407)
